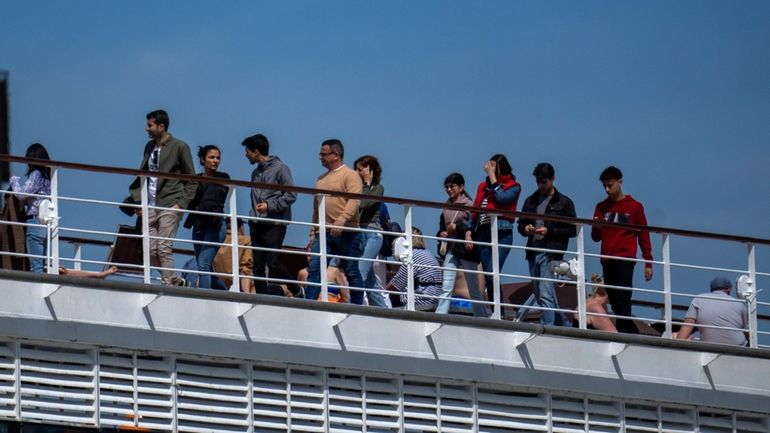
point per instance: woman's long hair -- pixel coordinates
(373, 164)
(37, 151)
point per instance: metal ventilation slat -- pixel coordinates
(504, 410)
(677, 419)
(212, 396)
(307, 399)
(270, 407)
(346, 411)
(7, 380)
(382, 404)
(641, 416)
(154, 392)
(58, 384)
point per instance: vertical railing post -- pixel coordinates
(496, 311)
(581, 277)
(322, 247)
(752, 301)
(78, 247)
(145, 228)
(235, 254)
(410, 301)
(667, 311)
(53, 267)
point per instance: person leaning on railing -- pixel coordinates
(619, 242)
(717, 310)
(38, 182)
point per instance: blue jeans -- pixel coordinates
(36, 243)
(204, 254)
(545, 291)
(453, 263)
(370, 247)
(504, 237)
(346, 244)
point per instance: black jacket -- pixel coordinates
(209, 197)
(557, 234)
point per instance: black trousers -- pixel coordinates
(268, 236)
(620, 273)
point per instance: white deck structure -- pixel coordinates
(106, 354)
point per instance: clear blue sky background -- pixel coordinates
(677, 94)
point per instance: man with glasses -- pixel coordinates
(551, 235)
(341, 213)
(166, 154)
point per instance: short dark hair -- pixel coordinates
(503, 167)
(335, 145)
(454, 179)
(257, 142)
(544, 170)
(373, 164)
(160, 117)
(204, 150)
(611, 173)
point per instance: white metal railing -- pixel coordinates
(62, 224)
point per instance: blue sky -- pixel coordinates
(674, 93)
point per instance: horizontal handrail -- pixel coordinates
(389, 199)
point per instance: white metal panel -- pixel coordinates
(307, 400)
(270, 399)
(382, 404)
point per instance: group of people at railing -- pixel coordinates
(353, 229)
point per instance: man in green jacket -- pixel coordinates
(164, 153)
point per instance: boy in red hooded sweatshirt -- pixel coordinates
(621, 242)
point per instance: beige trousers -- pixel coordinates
(164, 223)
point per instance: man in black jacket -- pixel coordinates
(550, 235)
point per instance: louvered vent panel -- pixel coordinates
(116, 389)
(57, 384)
(715, 421)
(306, 392)
(603, 415)
(677, 418)
(568, 414)
(211, 397)
(456, 408)
(346, 405)
(270, 399)
(506, 411)
(382, 405)
(751, 423)
(7, 380)
(641, 417)
(420, 406)
(155, 392)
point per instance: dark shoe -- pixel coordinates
(181, 282)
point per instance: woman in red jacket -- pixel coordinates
(498, 191)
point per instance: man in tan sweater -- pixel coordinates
(341, 212)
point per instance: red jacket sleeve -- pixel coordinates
(644, 236)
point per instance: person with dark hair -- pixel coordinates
(341, 213)
(551, 235)
(368, 168)
(209, 197)
(620, 242)
(38, 182)
(268, 203)
(164, 154)
(498, 191)
(716, 311)
(452, 225)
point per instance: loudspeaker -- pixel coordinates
(5, 171)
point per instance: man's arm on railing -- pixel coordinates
(686, 329)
